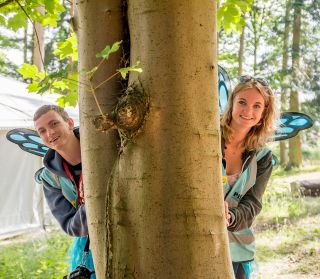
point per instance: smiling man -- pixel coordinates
(62, 176)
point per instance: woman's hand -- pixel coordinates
(226, 210)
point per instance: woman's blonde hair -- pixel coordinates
(259, 134)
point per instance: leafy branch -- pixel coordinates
(230, 15)
(104, 54)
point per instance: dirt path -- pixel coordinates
(299, 177)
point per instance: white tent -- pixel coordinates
(22, 206)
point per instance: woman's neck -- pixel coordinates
(238, 136)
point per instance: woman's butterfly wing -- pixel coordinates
(224, 88)
(291, 123)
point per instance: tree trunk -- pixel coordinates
(38, 44)
(99, 24)
(295, 154)
(167, 202)
(283, 155)
(241, 51)
(25, 44)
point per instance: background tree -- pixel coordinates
(295, 154)
(285, 70)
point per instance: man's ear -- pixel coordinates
(70, 123)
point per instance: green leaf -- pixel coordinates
(234, 11)
(28, 71)
(2, 20)
(107, 51)
(134, 68)
(69, 99)
(50, 21)
(68, 48)
(49, 5)
(92, 71)
(33, 87)
(17, 21)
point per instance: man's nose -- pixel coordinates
(50, 132)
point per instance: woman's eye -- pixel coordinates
(242, 102)
(257, 106)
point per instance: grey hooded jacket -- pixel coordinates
(72, 220)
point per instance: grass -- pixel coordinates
(43, 258)
(288, 228)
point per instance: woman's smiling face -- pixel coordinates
(248, 108)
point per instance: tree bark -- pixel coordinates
(25, 45)
(283, 154)
(295, 154)
(99, 23)
(38, 44)
(241, 51)
(166, 206)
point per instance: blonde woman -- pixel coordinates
(246, 125)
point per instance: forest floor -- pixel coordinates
(288, 232)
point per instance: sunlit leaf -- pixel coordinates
(125, 71)
(33, 87)
(28, 71)
(2, 21)
(50, 21)
(69, 99)
(107, 50)
(49, 5)
(16, 22)
(68, 48)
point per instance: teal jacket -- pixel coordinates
(245, 202)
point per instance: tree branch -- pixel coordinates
(5, 3)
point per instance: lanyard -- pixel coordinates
(79, 186)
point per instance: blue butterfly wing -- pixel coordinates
(224, 88)
(291, 123)
(28, 140)
(275, 161)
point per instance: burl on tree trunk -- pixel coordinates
(128, 115)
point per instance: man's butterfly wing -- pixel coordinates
(28, 140)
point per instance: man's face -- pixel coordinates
(54, 130)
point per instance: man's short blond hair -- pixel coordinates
(46, 108)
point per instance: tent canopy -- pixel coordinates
(17, 106)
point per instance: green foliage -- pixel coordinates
(126, 70)
(17, 15)
(65, 81)
(108, 50)
(68, 48)
(2, 20)
(41, 258)
(59, 82)
(230, 15)
(17, 21)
